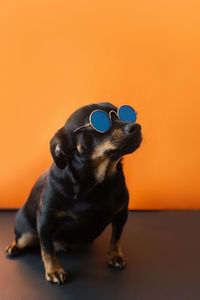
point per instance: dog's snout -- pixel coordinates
(132, 128)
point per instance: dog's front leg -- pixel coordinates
(116, 256)
(53, 271)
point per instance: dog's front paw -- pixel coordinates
(13, 250)
(117, 261)
(58, 276)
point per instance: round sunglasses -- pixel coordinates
(101, 121)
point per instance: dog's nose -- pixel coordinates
(132, 128)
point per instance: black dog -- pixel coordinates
(83, 191)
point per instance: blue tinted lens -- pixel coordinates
(127, 113)
(100, 120)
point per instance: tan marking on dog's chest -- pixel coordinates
(105, 167)
(101, 168)
(100, 149)
(112, 167)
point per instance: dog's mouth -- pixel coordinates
(125, 145)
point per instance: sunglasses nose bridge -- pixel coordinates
(110, 114)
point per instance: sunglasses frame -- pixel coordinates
(108, 114)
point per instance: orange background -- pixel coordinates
(58, 55)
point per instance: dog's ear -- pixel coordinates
(58, 148)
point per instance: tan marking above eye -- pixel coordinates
(79, 148)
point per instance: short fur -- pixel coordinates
(83, 192)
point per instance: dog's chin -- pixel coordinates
(126, 147)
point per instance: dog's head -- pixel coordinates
(74, 142)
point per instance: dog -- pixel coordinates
(82, 192)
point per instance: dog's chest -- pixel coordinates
(93, 210)
(88, 217)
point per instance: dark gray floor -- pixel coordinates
(163, 255)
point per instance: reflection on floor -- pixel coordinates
(163, 257)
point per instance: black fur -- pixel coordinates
(70, 185)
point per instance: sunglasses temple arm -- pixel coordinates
(86, 125)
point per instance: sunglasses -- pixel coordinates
(101, 121)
